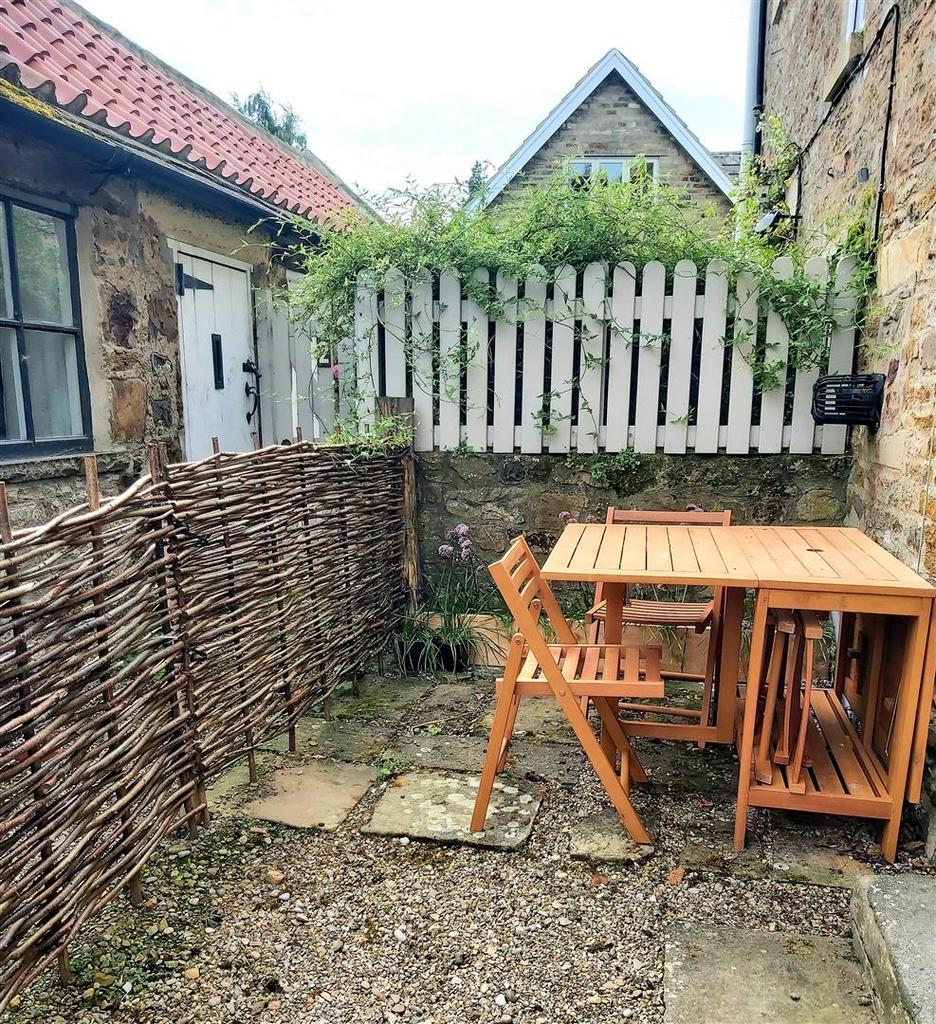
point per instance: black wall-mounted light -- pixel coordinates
(770, 219)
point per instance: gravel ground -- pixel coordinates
(271, 924)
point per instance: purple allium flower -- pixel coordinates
(465, 552)
(589, 519)
(566, 517)
(446, 550)
(336, 372)
(461, 530)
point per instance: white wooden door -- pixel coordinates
(216, 341)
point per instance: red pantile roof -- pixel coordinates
(101, 78)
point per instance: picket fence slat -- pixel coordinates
(648, 359)
(712, 358)
(476, 374)
(421, 358)
(802, 426)
(449, 359)
(394, 333)
(841, 348)
(505, 364)
(680, 357)
(777, 343)
(620, 355)
(534, 356)
(365, 343)
(575, 354)
(741, 383)
(563, 335)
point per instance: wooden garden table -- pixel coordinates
(819, 568)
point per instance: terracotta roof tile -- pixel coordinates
(100, 78)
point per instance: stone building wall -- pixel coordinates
(614, 122)
(891, 491)
(129, 312)
(501, 496)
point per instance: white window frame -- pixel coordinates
(626, 161)
(854, 17)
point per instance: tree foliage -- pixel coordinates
(279, 119)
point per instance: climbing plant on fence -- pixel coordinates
(511, 260)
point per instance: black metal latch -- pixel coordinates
(252, 390)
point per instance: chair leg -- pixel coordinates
(708, 682)
(612, 724)
(763, 769)
(508, 732)
(604, 769)
(502, 712)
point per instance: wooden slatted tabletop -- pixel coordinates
(828, 559)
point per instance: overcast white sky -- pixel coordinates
(423, 88)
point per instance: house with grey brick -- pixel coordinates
(609, 117)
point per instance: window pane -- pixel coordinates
(6, 296)
(52, 364)
(582, 167)
(12, 415)
(42, 266)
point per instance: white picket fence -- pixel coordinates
(585, 363)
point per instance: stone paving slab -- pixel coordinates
(537, 716)
(799, 858)
(380, 700)
(894, 930)
(319, 795)
(437, 806)
(601, 839)
(342, 740)
(740, 976)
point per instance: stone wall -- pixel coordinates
(613, 122)
(128, 306)
(501, 496)
(891, 492)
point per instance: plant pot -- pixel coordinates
(435, 655)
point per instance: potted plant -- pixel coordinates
(441, 635)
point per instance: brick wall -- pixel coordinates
(613, 122)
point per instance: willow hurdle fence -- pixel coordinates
(149, 641)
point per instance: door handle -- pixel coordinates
(252, 390)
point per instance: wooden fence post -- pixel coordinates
(98, 600)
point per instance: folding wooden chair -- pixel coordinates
(567, 671)
(784, 719)
(697, 615)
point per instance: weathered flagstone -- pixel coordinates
(438, 806)
(798, 858)
(537, 716)
(380, 700)
(342, 740)
(601, 838)
(320, 794)
(739, 976)
(721, 857)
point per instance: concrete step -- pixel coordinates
(894, 933)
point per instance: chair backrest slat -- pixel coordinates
(518, 578)
(665, 518)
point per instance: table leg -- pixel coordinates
(899, 752)
(728, 664)
(613, 629)
(755, 666)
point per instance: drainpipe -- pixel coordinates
(754, 80)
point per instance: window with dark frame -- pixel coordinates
(44, 403)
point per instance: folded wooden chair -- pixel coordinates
(697, 615)
(567, 671)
